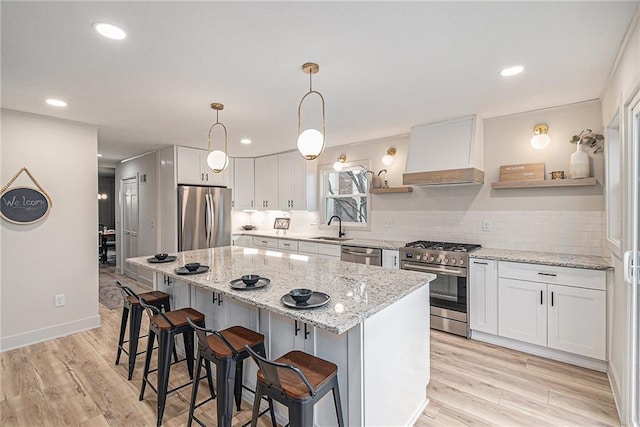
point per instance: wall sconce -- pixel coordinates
(540, 140)
(387, 159)
(217, 159)
(339, 165)
(311, 141)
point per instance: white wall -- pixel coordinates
(58, 255)
(147, 207)
(623, 83)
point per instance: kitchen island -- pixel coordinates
(375, 328)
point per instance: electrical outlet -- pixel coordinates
(486, 225)
(59, 300)
(388, 222)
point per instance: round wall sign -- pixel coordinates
(24, 205)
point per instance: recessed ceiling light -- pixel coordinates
(512, 71)
(109, 31)
(56, 102)
(245, 141)
(99, 155)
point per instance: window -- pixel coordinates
(613, 150)
(345, 194)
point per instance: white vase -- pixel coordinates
(579, 163)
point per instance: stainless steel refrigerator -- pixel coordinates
(204, 217)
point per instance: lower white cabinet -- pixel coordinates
(244, 241)
(577, 320)
(329, 251)
(522, 311)
(265, 243)
(483, 295)
(390, 259)
(288, 246)
(556, 307)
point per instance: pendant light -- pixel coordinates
(311, 141)
(217, 159)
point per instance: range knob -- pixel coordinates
(439, 260)
(446, 260)
(418, 257)
(431, 258)
(461, 261)
(453, 260)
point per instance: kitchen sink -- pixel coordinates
(333, 239)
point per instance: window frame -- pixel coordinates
(323, 171)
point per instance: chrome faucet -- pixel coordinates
(340, 232)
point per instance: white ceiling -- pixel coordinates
(384, 66)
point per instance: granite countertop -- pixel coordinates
(369, 243)
(357, 291)
(544, 258)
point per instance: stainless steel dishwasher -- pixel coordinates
(361, 255)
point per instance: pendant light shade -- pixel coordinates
(310, 140)
(217, 160)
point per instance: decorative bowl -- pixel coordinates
(192, 266)
(248, 227)
(250, 279)
(160, 257)
(300, 295)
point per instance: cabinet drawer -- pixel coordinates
(265, 242)
(578, 277)
(328, 249)
(308, 247)
(288, 245)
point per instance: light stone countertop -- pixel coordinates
(357, 291)
(544, 258)
(369, 243)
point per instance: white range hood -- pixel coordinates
(449, 152)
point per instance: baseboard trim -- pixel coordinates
(45, 334)
(561, 356)
(613, 382)
(416, 415)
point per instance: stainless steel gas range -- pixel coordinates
(449, 293)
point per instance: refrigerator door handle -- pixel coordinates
(211, 221)
(207, 219)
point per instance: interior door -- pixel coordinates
(130, 223)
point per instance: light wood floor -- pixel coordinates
(73, 381)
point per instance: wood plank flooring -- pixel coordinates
(73, 381)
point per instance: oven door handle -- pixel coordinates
(441, 269)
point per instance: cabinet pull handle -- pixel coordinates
(306, 333)
(214, 299)
(296, 329)
(292, 203)
(547, 274)
(167, 280)
(482, 263)
(395, 260)
(266, 203)
(219, 299)
(552, 299)
(233, 202)
(541, 298)
(207, 176)
(252, 203)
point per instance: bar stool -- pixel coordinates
(167, 326)
(298, 380)
(226, 349)
(131, 308)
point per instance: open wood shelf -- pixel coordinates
(543, 183)
(391, 190)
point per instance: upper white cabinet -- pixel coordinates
(483, 295)
(243, 183)
(192, 168)
(266, 182)
(390, 258)
(297, 182)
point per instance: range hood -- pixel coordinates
(446, 153)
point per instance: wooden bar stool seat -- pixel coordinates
(132, 311)
(226, 349)
(167, 326)
(298, 380)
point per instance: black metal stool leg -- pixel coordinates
(225, 380)
(167, 307)
(164, 366)
(336, 401)
(256, 405)
(207, 366)
(123, 327)
(301, 414)
(237, 390)
(272, 413)
(194, 389)
(187, 338)
(147, 363)
(134, 336)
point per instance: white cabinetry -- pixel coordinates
(297, 182)
(192, 168)
(308, 248)
(390, 258)
(288, 246)
(557, 307)
(243, 183)
(483, 295)
(329, 251)
(265, 243)
(266, 182)
(244, 241)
